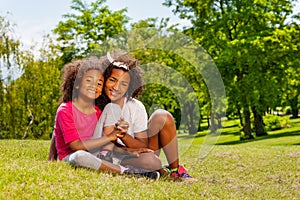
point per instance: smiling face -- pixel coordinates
(91, 85)
(117, 85)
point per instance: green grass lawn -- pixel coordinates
(265, 168)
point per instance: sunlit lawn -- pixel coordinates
(266, 168)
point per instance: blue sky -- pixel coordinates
(35, 18)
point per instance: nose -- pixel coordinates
(94, 84)
(116, 86)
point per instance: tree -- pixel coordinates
(87, 29)
(30, 101)
(9, 52)
(173, 65)
(291, 86)
(239, 36)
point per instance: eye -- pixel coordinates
(111, 80)
(88, 80)
(124, 84)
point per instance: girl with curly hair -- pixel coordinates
(77, 116)
(123, 84)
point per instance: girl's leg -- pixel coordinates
(107, 166)
(148, 161)
(52, 156)
(162, 134)
(85, 159)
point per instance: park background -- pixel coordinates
(255, 46)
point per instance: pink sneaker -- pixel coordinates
(181, 174)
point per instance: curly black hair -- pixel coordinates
(72, 74)
(136, 85)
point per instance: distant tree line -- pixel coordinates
(254, 44)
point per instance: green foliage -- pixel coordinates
(171, 83)
(29, 102)
(251, 42)
(9, 47)
(9, 59)
(274, 122)
(255, 45)
(176, 63)
(287, 110)
(32, 100)
(87, 29)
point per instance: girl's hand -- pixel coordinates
(122, 126)
(138, 151)
(114, 135)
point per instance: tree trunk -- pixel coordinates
(294, 106)
(29, 125)
(213, 125)
(192, 126)
(219, 122)
(208, 120)
(247, 125)
(258, 123)
(199, 123)
(240, 115)
(247, 121)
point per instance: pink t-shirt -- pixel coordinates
(70, 125)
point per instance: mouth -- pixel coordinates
(92, 91)
(114, 93)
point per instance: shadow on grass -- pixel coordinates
(233, 132)
(231, 126)
(187, 136)
(224, 131)
(270, 136)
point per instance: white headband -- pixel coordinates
(118, 64)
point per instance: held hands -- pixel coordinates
(122, 126)
(119, 130)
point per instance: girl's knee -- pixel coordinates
(77, 156)
(161, 116)
(159, 113)
(152, 162)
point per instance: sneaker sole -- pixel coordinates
(151, 175)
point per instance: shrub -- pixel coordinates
(274, 122)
